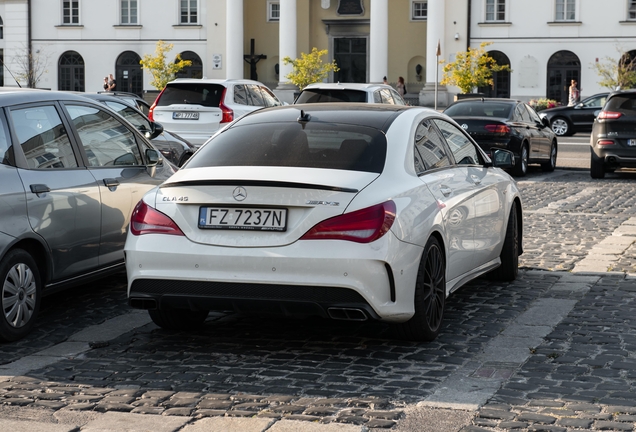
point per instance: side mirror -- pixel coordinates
(153, 159)
(545, 122)
(503, 159)
(155, 131)
(579, 105)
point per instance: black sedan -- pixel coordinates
(568, 120)
(508, 124)
(613, 139)
(174, 148)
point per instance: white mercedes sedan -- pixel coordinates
(345, 211)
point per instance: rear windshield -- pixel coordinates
(208, 95)
(480, 109)
(624, 102)
(331, 95)
(317, 145)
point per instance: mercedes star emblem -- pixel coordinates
(465, 126)
(239, 193)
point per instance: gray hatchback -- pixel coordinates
(71, 173)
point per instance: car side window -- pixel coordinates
(269, 97)
(43, 137)
(430, 148)
(386, 97)
(240, 95)
(397, 98)
(131, 115)
(6, 148)
(522, 114)
(463, 149)
(377, 98)
(106, 141)
(596, 102)
(534, 117)
(255, 95)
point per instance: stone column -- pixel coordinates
(436, 15)
(234, 39)
(379, 41)
(287, 46)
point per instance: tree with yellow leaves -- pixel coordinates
(162, 72)
(309, 68)
(472, 68)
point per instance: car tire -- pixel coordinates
(561, 126)
(509, 256)
(20, 294)
(430, 296)
(551, 164)
(597, 167)
(521, 168)
(178, 319)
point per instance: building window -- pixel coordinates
(189, 12)
(495, 10)
(565, 10)
(419, 10)
(70, 12)
(1, 28)
(273, 11)
(129, 12)
(631, 10)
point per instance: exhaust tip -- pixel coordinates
(347, 314)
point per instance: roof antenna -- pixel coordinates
(304, 117)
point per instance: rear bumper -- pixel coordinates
(614, 156)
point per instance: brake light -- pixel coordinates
(362, 226)
(604, 142)
(147, 220)
(609, 115)
(151, 111)
(228, 114)
(503, 129)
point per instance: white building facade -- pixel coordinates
(547, 43)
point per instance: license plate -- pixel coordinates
(243, 218)
(185, 115)
(631, 142)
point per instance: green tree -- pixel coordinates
(472, 68)
(616, 74)
(162, 71)
(309, 68)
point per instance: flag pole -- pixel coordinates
(437, 54)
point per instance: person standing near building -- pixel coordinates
(105, 83)
(400, 86)
(112, 84)
(574, 94)
(385, 81)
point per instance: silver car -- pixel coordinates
(71, 173)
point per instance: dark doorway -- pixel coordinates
(351, 57)
(563, 67)
(193, 71)
(128, 73)
(70, 72)
(501, 79)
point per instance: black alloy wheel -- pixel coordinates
(521, 168)
(550, 165)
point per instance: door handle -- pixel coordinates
(111, 182)
(39, 189)
(445, 190)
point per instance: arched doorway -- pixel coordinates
(501, 79)
(128, 73)
(70, 72)
(193, 71)
(563, 67)
(627, 63)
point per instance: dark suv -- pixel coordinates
(613, 139)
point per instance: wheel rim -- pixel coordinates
(19, 295)
(560, 127)
(553, 155)
(434, 287)
(524, 159)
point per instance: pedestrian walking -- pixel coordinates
(400, 86)
(574, 94)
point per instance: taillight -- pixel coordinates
(610, 115)
(228, 114)
(151, 111)
(503, 129)
(146, 220)
(361, 226)
(604, 142)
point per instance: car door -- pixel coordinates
(485, 193)
(543, 133)
(583, 114)
(448, 185)
(114, 159)
(526, 127)
(62, 197)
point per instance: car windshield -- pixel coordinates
(208, 95)
(311, 145)
(621, 102)
(331, 95)
(480, 109)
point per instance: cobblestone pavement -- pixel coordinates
(581, 376)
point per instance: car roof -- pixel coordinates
(377, 116)
(481, 99)
(14, 96)
(622, 92)
(213, 81)
(107, 97)
(346, 86)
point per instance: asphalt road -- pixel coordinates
(574, 151)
